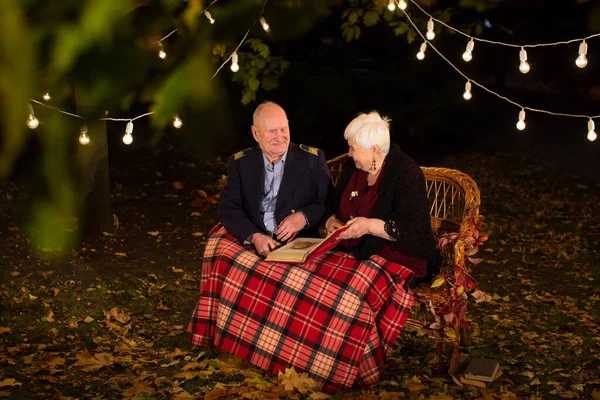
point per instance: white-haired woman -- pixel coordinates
(381, 195)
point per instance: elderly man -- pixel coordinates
(275, 190)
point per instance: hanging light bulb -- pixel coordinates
(46, 96)
(591, 136)
(392, 5)
(32, 121)
(177, 122)
(83, 136)
(161, 51)
(524, 65)
(581, 60)
(430, 35)
(235, 67)
(128, 137)
(467, 94)
(421, 53)
(402, 5)
(468, 54)
(264, 24)
(209, 17)
(521, 123)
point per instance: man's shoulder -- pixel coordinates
(241, 154)
(311, 150)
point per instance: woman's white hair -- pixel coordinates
(368, 130)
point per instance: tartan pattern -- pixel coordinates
(334, 317)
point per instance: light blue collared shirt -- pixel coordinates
(273, 178)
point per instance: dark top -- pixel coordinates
(399, 198)
(303, 188)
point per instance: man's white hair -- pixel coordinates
(368, 130)
(260, 108)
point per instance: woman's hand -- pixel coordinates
(357, 228)
(332, 224)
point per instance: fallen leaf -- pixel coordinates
(292, 380)
(49, 317)
(4, 330)
(177, 185)
(119, 254)
(176, 269)
(153, 233)
(88, 319)
(9, 382)
(197, 234)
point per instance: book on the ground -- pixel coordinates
(301, 249)
(474, 382)
(482, 369)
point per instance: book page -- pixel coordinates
(299, 249)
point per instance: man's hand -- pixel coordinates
(290, 226)
(263, 243)
(357, 228)
(332, 224)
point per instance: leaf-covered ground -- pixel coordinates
(109, 321)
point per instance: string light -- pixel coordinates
(392, 5)
(521, 123)
(467, 94)
(591, 131)
(161, 51)
(209, 17)
(581, 60)
(421, 53)
(468, 54)
(402, 5)
(523, 65)
(32, 121)
(430, 35)
(128, 137)
(177, 122)
(264, 24)
(235, 67)
(46, 96)
(84, 139)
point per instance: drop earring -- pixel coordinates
(374, 167)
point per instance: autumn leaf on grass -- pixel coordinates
(153, 233)
(49, 317)
(319, 396)
(9, 382)
(197, 234)
(176, 269)
(93, 363)
(4, 330)
(292, 380)
(413, 384)
(176, 353)
(119, 316)
(119, 254)
(51, 360)
(137, 388)
(88, 319)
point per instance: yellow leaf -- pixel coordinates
(88, 362)
(55, 292)
(176, 269)
(460, 289)
(449, 331)
(119, 254)
(177, 185)
(197, 234)
(4, 330)
(9, 382)
(319, 396)
(137, 388)
(153, 233)
(49, 317)
(528, 374)
(438, 282)
(176, 353)
(300, 382)
(88, 319)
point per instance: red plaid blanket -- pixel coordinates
(334, 317)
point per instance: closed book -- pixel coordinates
(482, 369)
(300, 250)
(478, 383)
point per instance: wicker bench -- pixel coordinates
(454, 208)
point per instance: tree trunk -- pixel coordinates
(94, 172)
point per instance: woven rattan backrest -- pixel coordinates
(452, 194)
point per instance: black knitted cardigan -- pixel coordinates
(401, 203)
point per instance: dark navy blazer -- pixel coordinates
(303, 188)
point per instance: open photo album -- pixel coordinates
(301, 249)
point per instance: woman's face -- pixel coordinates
(363, 158)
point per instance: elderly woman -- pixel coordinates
(381, 195)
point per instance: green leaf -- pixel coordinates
(438, 282)
(370, 18)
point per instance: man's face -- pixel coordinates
(272, 132)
